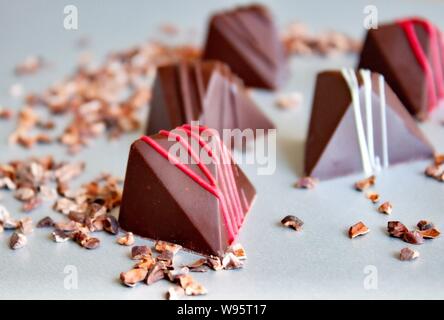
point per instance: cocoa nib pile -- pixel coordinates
(150, 268)
(95, 100)
(87, 209)
(298, 39)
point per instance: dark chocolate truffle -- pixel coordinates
(197, 198)
(207, 92)
(359, 125)
(410, 55)
(247, 40)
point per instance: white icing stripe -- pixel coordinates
(367, 82)
(352, 82)
(385, 159)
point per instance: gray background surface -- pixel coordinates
(320, 262)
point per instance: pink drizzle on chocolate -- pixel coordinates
(224, 188)
(433, 69)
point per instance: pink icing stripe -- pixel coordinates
(435, 45)
(230, 188)
(202, 167)
(233, 190)
(230, 210)
(409, 30)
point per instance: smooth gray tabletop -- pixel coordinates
(319, 262)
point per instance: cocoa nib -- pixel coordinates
(133, 276)
(292, 222)
(373, 197)
(60, 236)
(175, 293)
(111, 225)
(17, 241)
(156, 273)
(425, 225)
(386, 208)
(358, 229)
(430, 233)
(413, 237)
(306, 183)
(396, 229)
(408, 254)
(126, 240)
(230, 261)
(365, 183)
(161, 246)
(25, 225)
(140, 252)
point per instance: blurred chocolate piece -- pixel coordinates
(247, 40)
(359, 125)
(207, 92)
(199, 203)
(410, 55)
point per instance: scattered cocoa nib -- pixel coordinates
(408, 254)
(358, 229)
(25, 225)
(230, 261)
(10, 224)
(299, 40)
(24, 194)
(175, 293)
(161, 246)
(430, 233)
(425, 225)
(4, 214)
(111, 225)
(386, 208)
(77, 216)
(292, 222)
(133, 276)
(30, 65)
(31, 204)
(126, 240)
(439, 159)
(90, 243)
(7, 183)
(174, 274)
(146, 263)
(433, 171)
(167, 257)
(68, 226)
(105, 99)
(413, 237)
(60, 236)
(156, 273)
(238, 250)
(17, 241)
(365, 183)
(396, 229)
(199, 265)
(306, 183)
(195, 289)
(140, 252)
(215, 263)
(289, 100)
(5, 113)
(373, 197)
(45, 223)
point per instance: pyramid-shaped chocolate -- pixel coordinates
(182, 186)
(207, 92)
(410, 55)
(247, 40)
(348, 108)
